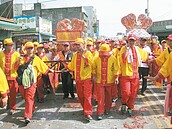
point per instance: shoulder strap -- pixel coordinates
(30, 60)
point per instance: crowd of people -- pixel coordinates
(104, 70)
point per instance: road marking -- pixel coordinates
(158, 123)
(2, 116)
(167, 121)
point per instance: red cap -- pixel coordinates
(122, 42)
(66, 43)
(132, 36)
(97, 41)
(169, 37)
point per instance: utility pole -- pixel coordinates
(147, 10)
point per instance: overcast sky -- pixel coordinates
(110, 12)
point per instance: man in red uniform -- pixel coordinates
(130, 58)
(105, 72)
(81, 64)
(9, 61)
(164, 72)
(40, 81)
(28, 87)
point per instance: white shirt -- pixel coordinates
(148, 50)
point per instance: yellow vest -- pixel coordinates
(112, 69)
(84, 71)
(166, 68)
(163, 57)
(14, 58)
(126, 68)
(38, 65)
(3, 84)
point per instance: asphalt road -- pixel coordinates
(56, 113)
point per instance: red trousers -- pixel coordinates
(104, 96)
(40, 88)
(114, 91)
(129, 88)
(28, 95)
(13, 86)
(84, 91)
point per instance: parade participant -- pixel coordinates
(130, 58)
(4, 90)
(81, 64)
(164, 45)
(35, 47)
(28, 87)
(89, 46)
(105, 71)
(73, 47)
(9, 61)
(53, 77)
(164, 72)
(143, 68)
(95, 53)
(155, 48)
(40, 81)
(159, 61)
(67, 80)
(20, 46)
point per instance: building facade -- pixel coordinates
(55, 15)
(92, 19)
(161, 29)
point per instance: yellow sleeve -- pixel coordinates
(143, 54)
(89, 55)
(71, 64)
(40, 65)
(94, 66)
(166, 69)
(3, 83)
(161, 58)
(46, 59)
(117, 71)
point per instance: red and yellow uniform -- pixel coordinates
(129, 79)
(164, 72)
(9, 65)
(162, 58)
(28, 94)
(81, 64)
(40, 82)
(105, 70)
(4, 89)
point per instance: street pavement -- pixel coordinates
(56, 113)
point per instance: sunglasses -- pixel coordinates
(29, 48)
(131, 40)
